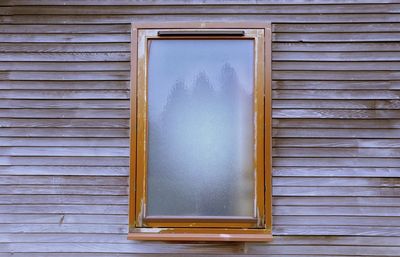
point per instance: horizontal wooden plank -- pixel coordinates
(56, 218)
(59, 85)
(64, 132)
(337, 123)
(336, 37)
(336, 201)
(360, 144)
(47, 169)
(312, 220)
(68, 104)
(347, 85)
(337, 162)
(335, 191)
(63, 161)
(334, 75)
(318, 181)
(63, 123)
(380, 172)
(367, 56)
(63, 228)
(54, 142)
(64, 94)
(67, 113)
(335, 66)
(131, 254)
(339, 230)
(60, 190)
(64, 47)
(65, 38)
(337, 211)
(352, 27)
(274, 18)
(336, 94)
(64, 151)
(64, 75)
(190, 2)
(61, 199)
(336, 47)
(65, 180)
(335, 152)
(199, 9)
(84, 238)
(63, 67)
(335, 114)
(67, 208)
(65, 57)
(66, 28)
(335, 104)
(139, 255)
(124, 28)
(337, 133)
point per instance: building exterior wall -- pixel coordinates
(64, 126)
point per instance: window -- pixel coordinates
(200, 132)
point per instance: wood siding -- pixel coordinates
(64, 126)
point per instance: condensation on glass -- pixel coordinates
(200, 128)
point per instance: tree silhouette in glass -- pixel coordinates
(196, 145)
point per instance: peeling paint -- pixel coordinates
(224, 235)
(151, 230)
(141, 212)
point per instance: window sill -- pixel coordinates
(244, 237)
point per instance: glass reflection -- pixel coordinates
(200, 99)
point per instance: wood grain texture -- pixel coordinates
(336, 56)
(190, 2)
(64, 67)
(349, 85)
(64, 126)
(359, 144)
(63, 38)
(217, 9)
(319, 65)
(65, 57)
(335, 46)
(336, 28)
(275, 18)
(66, 28)
(59, 85)
(64, 47)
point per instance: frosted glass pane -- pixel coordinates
(200, 145)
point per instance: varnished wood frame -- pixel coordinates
(257, 36)
(180, 228)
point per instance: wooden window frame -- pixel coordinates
(203, 228)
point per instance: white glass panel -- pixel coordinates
(201, 138)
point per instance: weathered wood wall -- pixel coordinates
(64, 110)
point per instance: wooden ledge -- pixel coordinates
(201, 237)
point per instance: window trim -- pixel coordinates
(181, 228)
